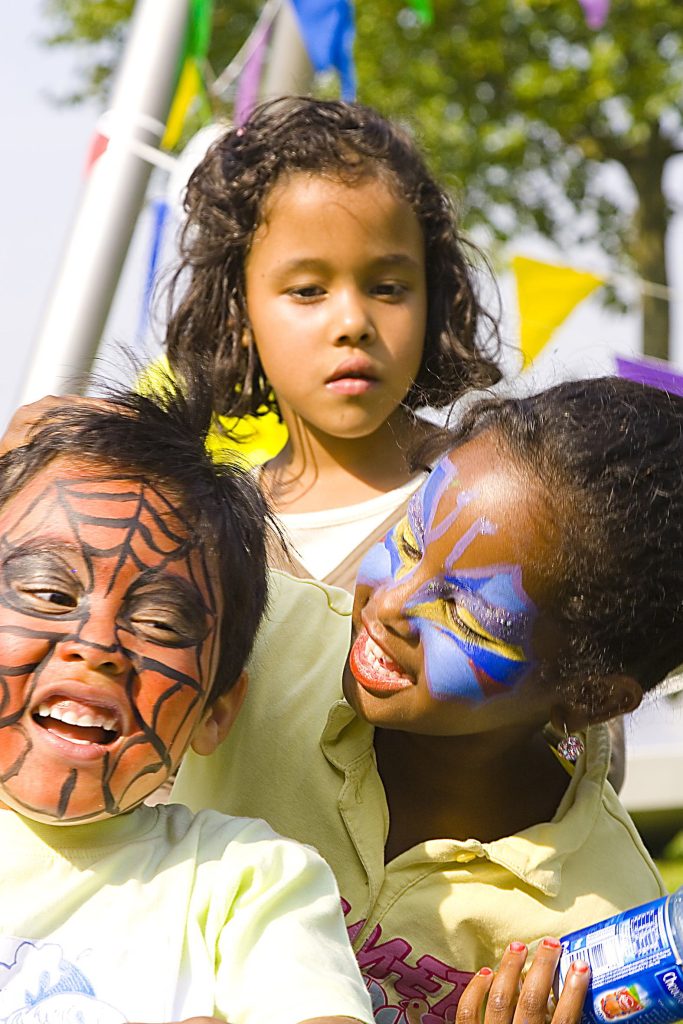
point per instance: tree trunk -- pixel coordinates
(648, 250)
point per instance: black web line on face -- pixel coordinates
(73, 492)
(69, 494)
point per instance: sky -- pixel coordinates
(43, 149)
(42, 156)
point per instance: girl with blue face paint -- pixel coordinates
(453, 632)
(482, 617)
(537, 576)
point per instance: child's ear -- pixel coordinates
(609, 696)
(218, 719)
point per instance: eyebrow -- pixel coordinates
(40, 547)
(392, 259)
(170, 581)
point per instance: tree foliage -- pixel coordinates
(522, 107)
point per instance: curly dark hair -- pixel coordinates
(225, 202)
(161, 439)
(608, 457)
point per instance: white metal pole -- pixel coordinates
(289, 71)
(111, 201)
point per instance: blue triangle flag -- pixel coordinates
(327, 27)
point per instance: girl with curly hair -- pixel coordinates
(324, 274)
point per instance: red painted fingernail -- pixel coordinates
(517, 947)
(580, 966)
(551, 943)
(485, 970)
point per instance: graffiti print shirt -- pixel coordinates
(423, 923)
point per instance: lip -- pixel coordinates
(93, 696)
(354, 376)
(380, 680)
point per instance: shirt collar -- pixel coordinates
(537, 854)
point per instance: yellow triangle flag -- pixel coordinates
(189, 87)
(546, 294)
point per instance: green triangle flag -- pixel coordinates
(424, 10)
(199, 34)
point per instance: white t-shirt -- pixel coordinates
(322, 540)
(159, 915)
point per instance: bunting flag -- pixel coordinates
(249, 82)
(424, 10)
(160, 211)
(596, 12)
(327, 29)
(190, 88)
(546, 294)
(647, 370)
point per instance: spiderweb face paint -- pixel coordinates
(475, 625)
(108, 643)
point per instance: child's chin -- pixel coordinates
(85, 808)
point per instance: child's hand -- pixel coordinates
(506, 1003)
(18, 431)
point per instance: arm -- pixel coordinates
(496, 998)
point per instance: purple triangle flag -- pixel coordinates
(596, 12)
(655, 372)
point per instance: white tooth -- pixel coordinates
(109, 724)
(375, 649)
(44, 711)
(70, 717)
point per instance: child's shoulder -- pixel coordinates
(293, 596)
(234, 846)
(177, 824)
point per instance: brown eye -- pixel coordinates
(44, 599)
(158, 629)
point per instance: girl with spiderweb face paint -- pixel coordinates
(451, 612)
(108, 642)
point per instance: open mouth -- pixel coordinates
(77, 722)
(374, 669)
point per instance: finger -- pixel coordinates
(472, 1001)
(27, 417)
(505, 987)
(573, 995)
(532, 1005)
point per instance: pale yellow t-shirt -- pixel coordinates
(300, 758)
(158, 915)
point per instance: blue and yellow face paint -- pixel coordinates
(475, 625)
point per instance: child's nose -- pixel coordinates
(388, 608)
(354, 325)
(97, 647)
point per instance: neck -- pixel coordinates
(315, 468)
(480, 787)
